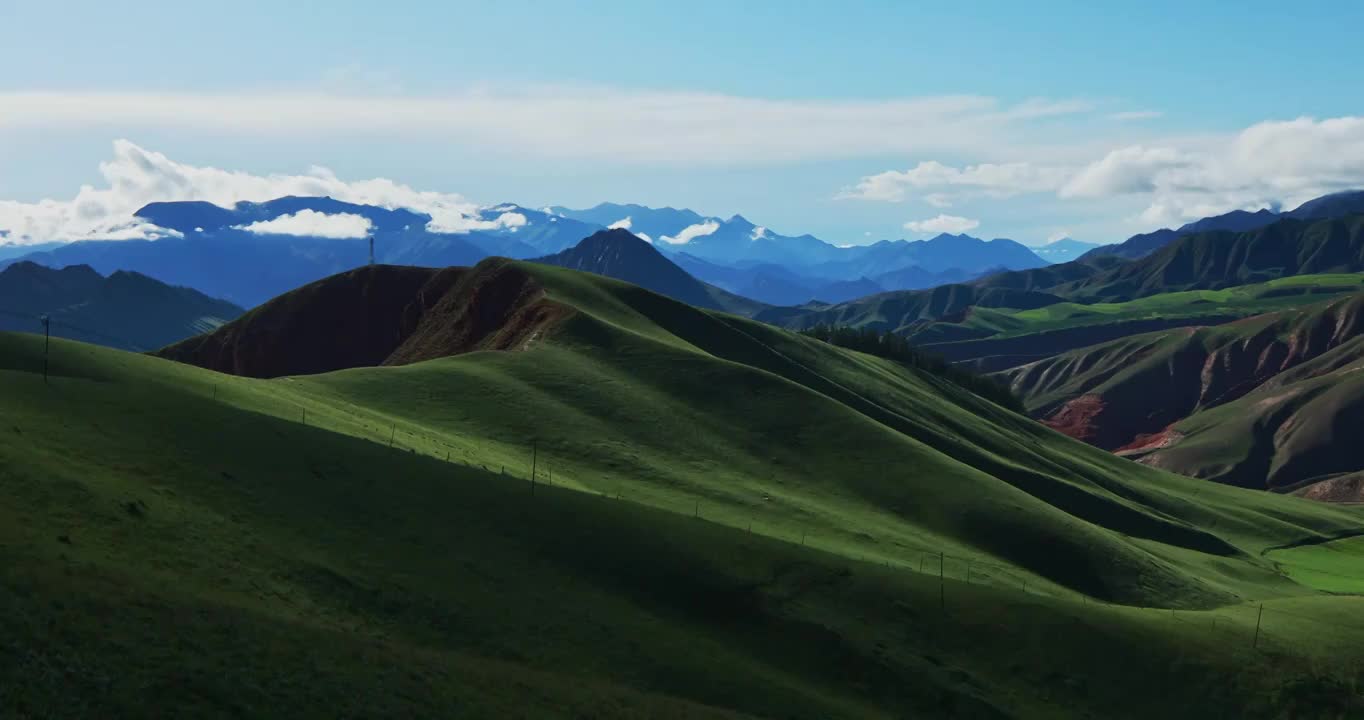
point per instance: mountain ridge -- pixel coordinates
(125, 310)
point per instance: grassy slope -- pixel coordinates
(1220, 259)
(265, 564)
(1332, 566)
(1243, 301)
(999, 338)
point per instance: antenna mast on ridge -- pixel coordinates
(371, 249)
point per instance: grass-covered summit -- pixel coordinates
(727, 520)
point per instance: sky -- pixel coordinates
(853, 121)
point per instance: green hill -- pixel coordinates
(1220, 259)
(1000, 338)
(726, 520)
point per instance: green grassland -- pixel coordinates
(729, 520)
(1240, 301)
(1330, 566)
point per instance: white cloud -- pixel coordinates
(460, 223)
(989, 179)
(135, 177)
(759, 232)
(605, 125)
(1133, 115)
(1270, 164)
(644, 237)
(621, 224)
(311, 223)
(691, 232)
(1128, 170)
(952, 224)
(1058, 235)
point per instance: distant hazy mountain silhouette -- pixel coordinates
(125, 310)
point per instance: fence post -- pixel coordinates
(1256, 642)
(534, 453)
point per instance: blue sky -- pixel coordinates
(847, 120)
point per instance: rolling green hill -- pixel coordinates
(726, 520)
(1000, 338)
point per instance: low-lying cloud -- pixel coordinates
(310, 223)
(953, 224)
(691, 232)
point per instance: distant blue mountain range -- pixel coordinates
(215, 253)
(751, 260)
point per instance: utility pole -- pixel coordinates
(1256, 642)
(371, 250)
(47, 343)
(534, 451)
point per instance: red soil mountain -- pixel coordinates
(1119, 394)
(1136, 394)
(379, 315)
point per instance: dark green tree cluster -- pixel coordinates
(891, 346)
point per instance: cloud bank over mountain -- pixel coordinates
(310, 223)
(137, 176)
(950, 224)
